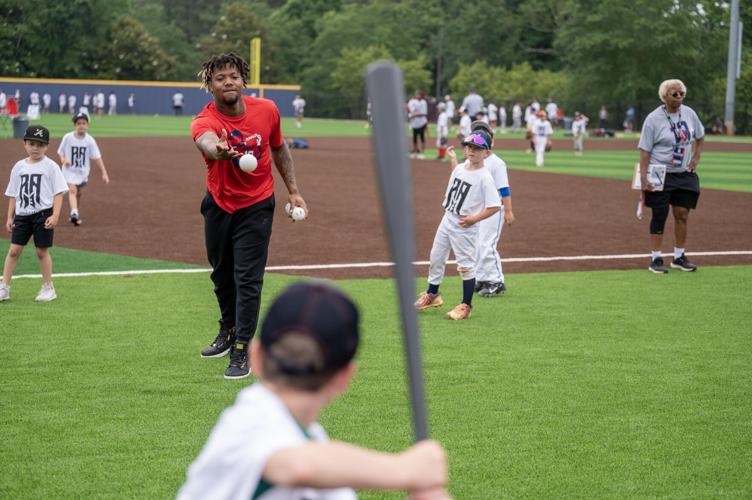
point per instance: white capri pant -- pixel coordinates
(540, 149)
(451, 236)
(487, 258)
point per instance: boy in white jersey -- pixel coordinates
(269, 446)
(489, 277)
(35, 193)
(470, 197)
(579, 128)
(77, 150)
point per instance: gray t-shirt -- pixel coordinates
(668, 137)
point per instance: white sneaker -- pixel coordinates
(4, 292)
(46, 294)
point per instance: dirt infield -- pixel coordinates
(151, 209)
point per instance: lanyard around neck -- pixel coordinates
(675, 128)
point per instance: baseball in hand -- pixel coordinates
(248, 163)
(288, 209)
(297, 214)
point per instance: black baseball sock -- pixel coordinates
(468, 288)
(434, 289)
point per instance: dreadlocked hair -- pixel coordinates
(219, 61)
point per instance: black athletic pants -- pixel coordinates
(237, 246)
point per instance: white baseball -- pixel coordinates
(298, 214)
(288, 209)
(248, 163)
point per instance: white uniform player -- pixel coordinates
(468, 192)
(542, 133)
(449, 108)
(232, 461)
(298, 106)
(76, 151)
(470, 197)
(493, 114)
(489, 275)
(79, 151)
(579, 128)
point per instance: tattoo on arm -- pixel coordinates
(285, 167)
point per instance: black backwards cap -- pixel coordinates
(319, 311)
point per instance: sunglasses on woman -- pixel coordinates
(677, 94)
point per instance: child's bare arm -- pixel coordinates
(100, 164)
(57, 205)
(11, 214)
(334, 464)
(508, 214)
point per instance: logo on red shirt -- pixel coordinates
(249, 145)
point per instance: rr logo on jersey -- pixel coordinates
(78, 156)
(456, 196)
(31, 190)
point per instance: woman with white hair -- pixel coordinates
(670, 147)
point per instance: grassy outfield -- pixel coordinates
(571, 385)
(729, 171)
(168, 125)
(66, 260)
(155, 126)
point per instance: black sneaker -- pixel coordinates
(480, 285)
(221, 345)
(657, 266)
(683, 264)
(493, 289)
(238, 362)
(75, 220)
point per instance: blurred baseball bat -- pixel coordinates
(386, 92)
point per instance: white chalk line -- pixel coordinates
(362, 265)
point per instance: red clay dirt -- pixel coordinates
(151, 209)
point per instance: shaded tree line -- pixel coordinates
(570, 50)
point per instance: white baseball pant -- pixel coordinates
(451, 236)
(487, 258)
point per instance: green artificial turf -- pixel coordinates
(168, 125)
(154, 126)
(729, 171)
(67, 260)
(591, 384)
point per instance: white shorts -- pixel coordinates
(75, 176)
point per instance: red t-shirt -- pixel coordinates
(252, 132)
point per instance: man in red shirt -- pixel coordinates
(238, 208)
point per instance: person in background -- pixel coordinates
(46, 102)
(417, 114)
(132, 104)
(177, 103)
(542, 132)
(112, 102)
(442, 130)
(298, 106)
(579, 128)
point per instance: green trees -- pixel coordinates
(571, 50)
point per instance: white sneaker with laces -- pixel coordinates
(46, 294)
(4, 292)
